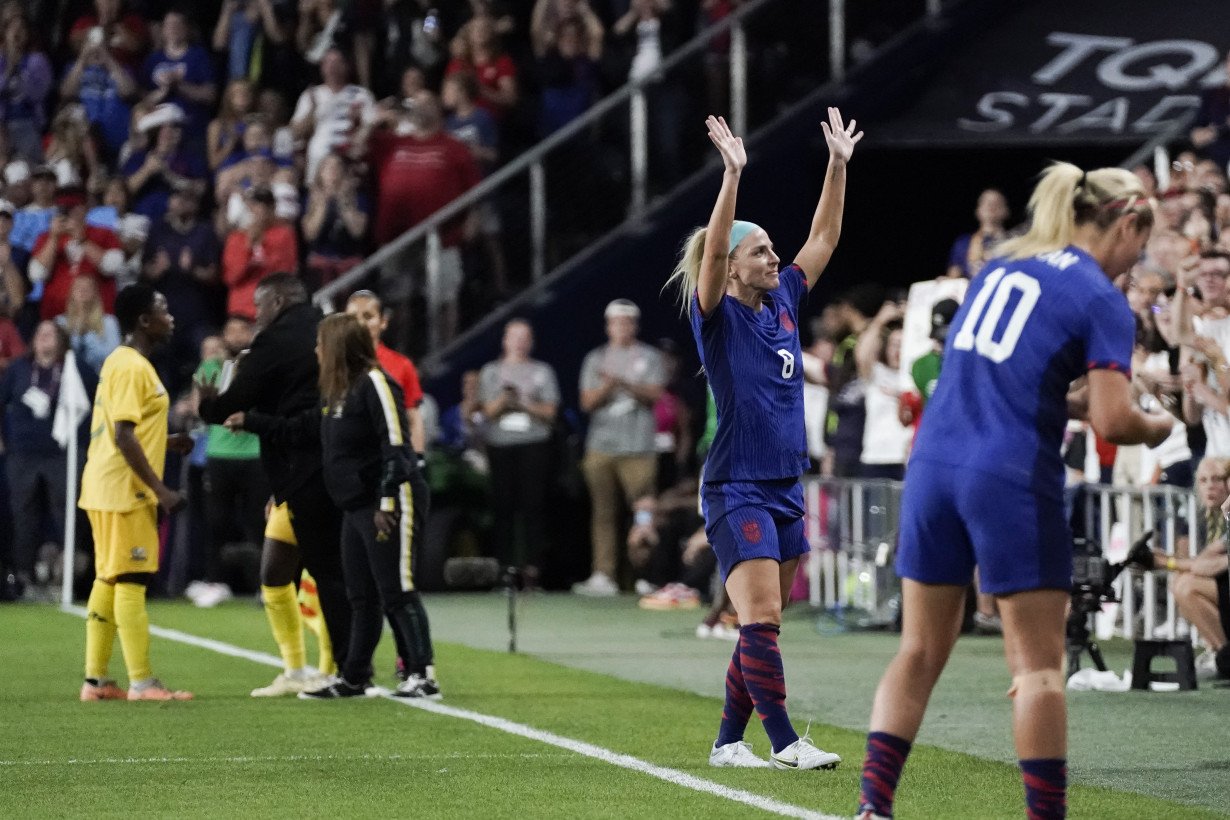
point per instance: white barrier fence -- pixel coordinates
(852, 527)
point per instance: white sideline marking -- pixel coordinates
(624, 761)
(76, 761)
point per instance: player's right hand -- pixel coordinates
(172, 501)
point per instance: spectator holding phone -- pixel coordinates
(519, 398)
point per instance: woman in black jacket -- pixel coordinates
(370, 473)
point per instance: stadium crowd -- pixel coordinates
(195, 151)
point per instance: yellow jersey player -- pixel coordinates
(121, 491)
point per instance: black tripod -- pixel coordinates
(1077, 638)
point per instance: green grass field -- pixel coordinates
(599, 672)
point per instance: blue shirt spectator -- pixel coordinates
(183, 74)
(105, 88)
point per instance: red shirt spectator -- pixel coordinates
(267, 246)
(479, 52)
(403, 372)
(418, 174)
(71, 248)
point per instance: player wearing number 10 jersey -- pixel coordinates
(984, 485)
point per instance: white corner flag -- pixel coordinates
(71, 407)
(73, 403)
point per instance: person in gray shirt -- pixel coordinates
(519, 397)
(620, 382)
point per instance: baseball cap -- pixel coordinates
(16, 171)
(942, 314)
(622, 307)
(163, 114)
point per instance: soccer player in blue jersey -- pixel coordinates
(745, 316)
(985, 481)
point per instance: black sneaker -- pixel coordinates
(338, 689)
(417, 686)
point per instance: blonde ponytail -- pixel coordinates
(686, 276)
(1067, 197)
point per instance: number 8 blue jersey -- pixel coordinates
(1026, 330)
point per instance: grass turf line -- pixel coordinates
(236, 747)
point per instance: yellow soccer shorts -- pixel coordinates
(277, 526)
(124, 542)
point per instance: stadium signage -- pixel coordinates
(1099, 85)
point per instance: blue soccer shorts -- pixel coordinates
(953, 519)
(754, 519)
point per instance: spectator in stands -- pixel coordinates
(972, 250)
(620, 383)
(106, 88)
(182, 73)
(547, 26)
(415, 38)
(475, 127)
(70, 248)
(267, 246)
(242, 24)
(92, 332)
(461, 426)
(878, 356)
(1205, 389)
(335, 222)
(847, 392)
(569, 75)
(154, 172)
(12, 266)
(257, 170)
(674, 440)
(1193, 581)
(1211, 130)
(478, 50)
(418, 174)
(27, 79)
(34, 219)
(649, 31)
(181, 261)
(335, 115)
(36, 463)
(520, 397)
(224, 137)
(662, 527)
(71, 151)
(124, 33)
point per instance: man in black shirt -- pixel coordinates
(278, 378)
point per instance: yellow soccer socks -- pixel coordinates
(99, 630)
(132, 624)
(282, 610)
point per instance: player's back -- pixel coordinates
(1026, 330)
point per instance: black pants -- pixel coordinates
(236, 491)
(380, 583)
(317, 523)
(36, 483)
(520, 478)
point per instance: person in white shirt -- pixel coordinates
(335, 115)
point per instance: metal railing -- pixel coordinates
(852, 527)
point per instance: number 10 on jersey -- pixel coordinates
(978, 329)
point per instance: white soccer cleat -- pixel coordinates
(598, 585)
(292, 684)
(870, 815)
(803, 754)
(737, 755)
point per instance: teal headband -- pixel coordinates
(738, 231)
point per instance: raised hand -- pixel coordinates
(734, 158)
(840, 137)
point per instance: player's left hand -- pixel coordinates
(840, 137)
(180, 443)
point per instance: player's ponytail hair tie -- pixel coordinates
(738, 231)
